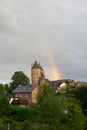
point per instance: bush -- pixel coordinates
(4, 106)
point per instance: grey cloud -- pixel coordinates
(27, 28)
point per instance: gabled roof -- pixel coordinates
(24, 89)
(37, 65)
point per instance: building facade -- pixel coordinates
(37, 74)
(25, 95)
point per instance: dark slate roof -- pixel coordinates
(24, 89)
(37, 65)
(18, 102)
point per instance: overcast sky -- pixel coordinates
(29, 28)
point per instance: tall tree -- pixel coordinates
(18, 78)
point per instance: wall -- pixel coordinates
(34, 95)
(35, 75)
(24, 96)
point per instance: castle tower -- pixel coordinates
(37, 72)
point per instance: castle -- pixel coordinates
(27, 95)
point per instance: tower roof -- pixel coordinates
(37, 65)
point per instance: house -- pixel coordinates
(62, 88)
(25, 95)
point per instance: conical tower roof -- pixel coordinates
(36, 65)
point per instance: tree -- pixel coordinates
(81, 94)
(2, 127)
(59, 111)
(4, 106)
(50, 109)
(2, 90)
(18, 78)
(75, 116)
(6, 87)
(43, 92)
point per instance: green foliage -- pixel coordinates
(44, 91)
(75, 117)
(2, 127)
(13, 125)
(61, 111)
(39, 126)
(21, 114)
(26, 125)
(2, 90)
(53, 112)
(85, 123)
(81, 94)
(4, 106)
(6, 87)
(51, 109)
(19, 78)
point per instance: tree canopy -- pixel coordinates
(2, 90)
(53, 112)
(18, 78)
(4, 106)
(43, 92)
(81, 94)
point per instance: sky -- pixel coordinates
(53, 32)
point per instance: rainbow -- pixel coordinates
(55, 69)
